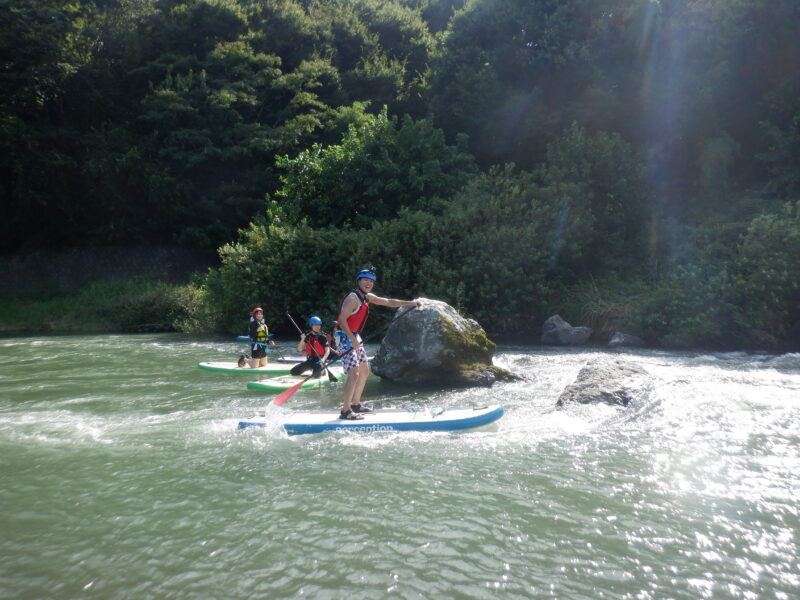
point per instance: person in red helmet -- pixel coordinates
(353, 313)
(259, 338)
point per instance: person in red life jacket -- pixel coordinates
(259, 338)
(353, 313)
(315, 343)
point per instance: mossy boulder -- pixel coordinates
(433, 344)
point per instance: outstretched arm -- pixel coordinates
(391, 301)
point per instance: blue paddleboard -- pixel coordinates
(428, 419)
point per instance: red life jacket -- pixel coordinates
(358, 320)
(312, 341)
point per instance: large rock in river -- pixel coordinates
(433, 344)
(608, 380)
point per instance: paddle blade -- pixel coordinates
(285, 395)
(331, 376)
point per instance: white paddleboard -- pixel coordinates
(232, 367)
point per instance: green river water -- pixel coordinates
(124, 476)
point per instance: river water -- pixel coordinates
(124, 476)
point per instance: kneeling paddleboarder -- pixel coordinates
(316, 346)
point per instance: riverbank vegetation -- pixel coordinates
(629, 164)
(114, 306)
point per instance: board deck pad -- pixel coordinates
(231, 367)
(284, 382)
(420, 419)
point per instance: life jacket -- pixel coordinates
(313, 344)
(358, 320)
(340, 341)
(262, 333)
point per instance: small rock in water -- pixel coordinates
(620, 339)
(557, 332)
(610, 381)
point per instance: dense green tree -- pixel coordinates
(781, 156)
(161, 120)
(652, 133)
(381, 166)
(43, 42)
(503, 244)
(44, 45)
(611, 176)
(437, 13)
(514, 73)
(685, 79)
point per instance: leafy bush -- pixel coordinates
(502, 232)
(730, 288)
(121, 305)
(690, 307)
(135, 305)
(767, 274)
(281, 269)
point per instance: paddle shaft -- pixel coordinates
(245, 338)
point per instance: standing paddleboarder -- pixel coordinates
(353, 313)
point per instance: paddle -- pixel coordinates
(331, 376)
(282, 357)
(246, 338)
(285, 395)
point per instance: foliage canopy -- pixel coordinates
(654, 148)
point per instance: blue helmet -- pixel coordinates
(366, 273)
(315, 321)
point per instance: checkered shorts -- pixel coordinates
(354, 358)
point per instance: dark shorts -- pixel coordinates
(258, 351)
(312, 364)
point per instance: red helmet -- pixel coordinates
(256, 309)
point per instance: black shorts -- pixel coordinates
(258, 352)
(311, 364)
